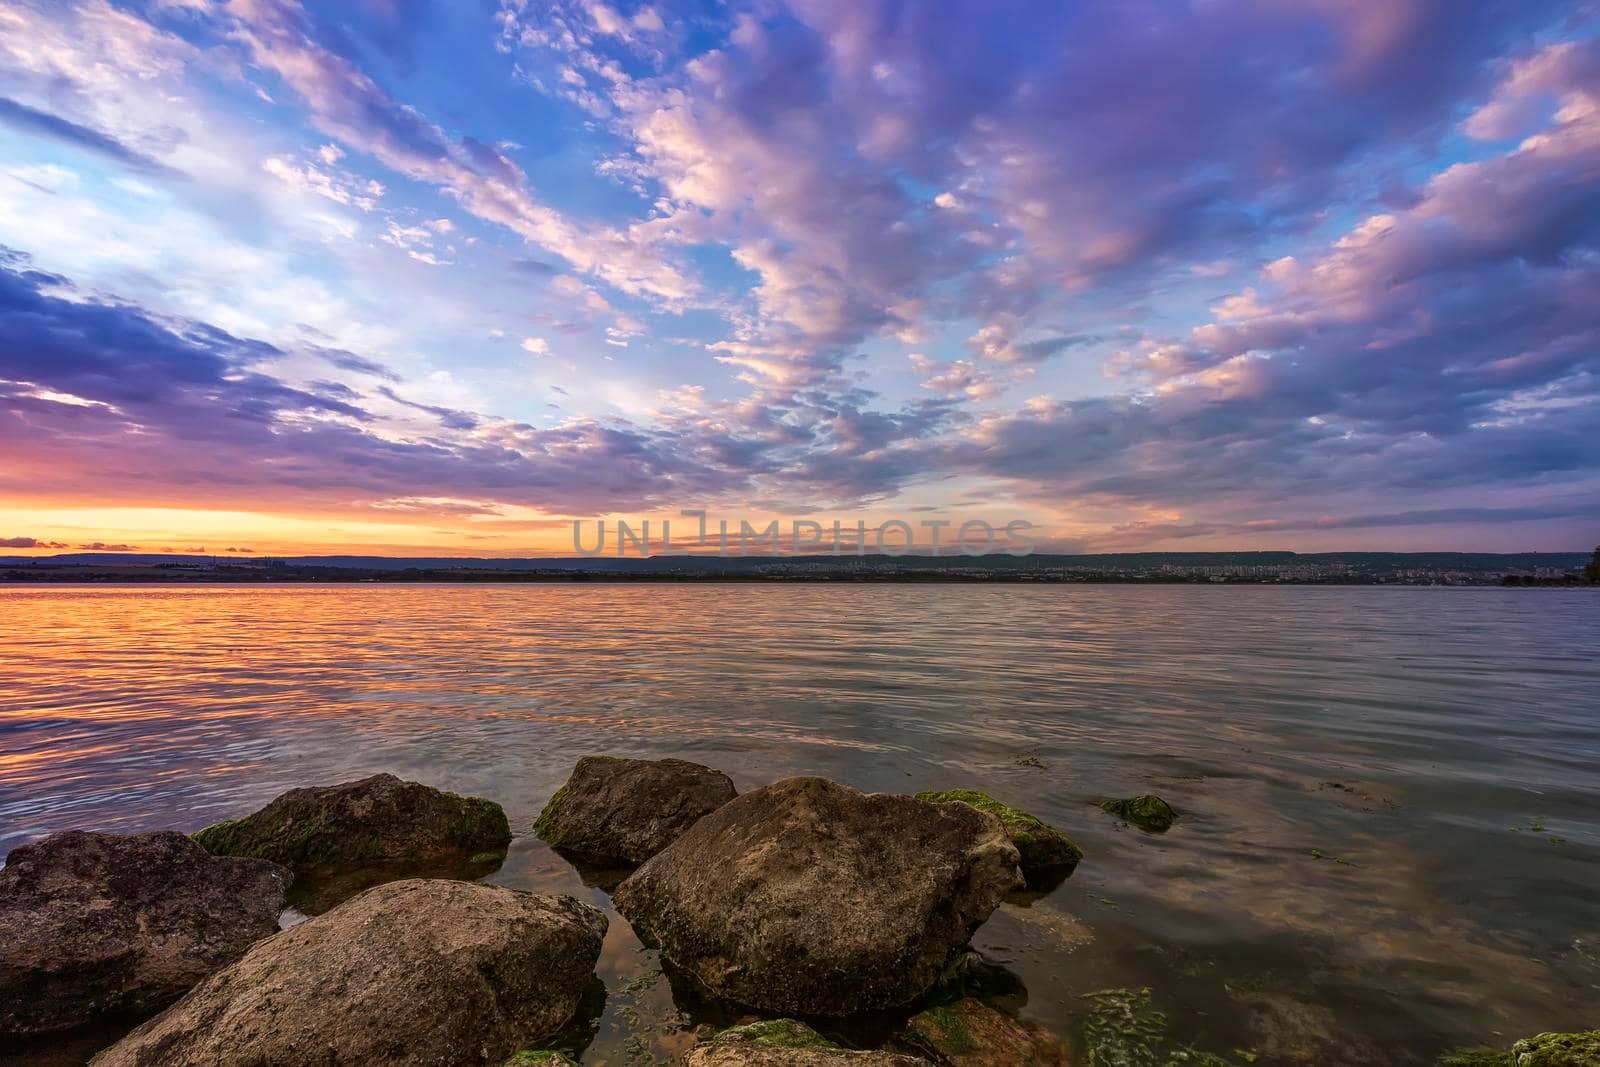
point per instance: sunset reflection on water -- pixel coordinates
(1398, 734)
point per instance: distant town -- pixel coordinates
(1222, 568)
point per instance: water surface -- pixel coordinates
(1390, 840)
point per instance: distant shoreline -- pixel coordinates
(467, 578)
(1131, 568)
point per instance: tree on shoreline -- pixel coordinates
(1592, 571)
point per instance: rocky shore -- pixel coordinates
(798, 906)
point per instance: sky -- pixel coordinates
(443, 276)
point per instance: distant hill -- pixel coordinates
(1365, 562)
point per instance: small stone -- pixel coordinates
(1147, 811)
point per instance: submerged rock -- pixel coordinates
(1558, 1050)
(1544, 1050)
(623, 811)
(101, 924)
(1044, 849)
(786, 1043)
(970, 1033)
(378, 820)
(413, 972)
(809, 897)
(1147, 811)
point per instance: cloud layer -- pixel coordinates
(1241, 272)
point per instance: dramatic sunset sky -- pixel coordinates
(436, 276)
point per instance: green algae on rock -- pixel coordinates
(380, 819)
(786, 1043)
(541, 1058)
(1542, 1050)
(1042, 847)
(1147, 811)
(1558, 1050)
(970, 1033)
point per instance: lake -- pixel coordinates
(1389, 839)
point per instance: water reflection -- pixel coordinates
(1344, 884)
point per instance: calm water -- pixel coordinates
(1402, 734)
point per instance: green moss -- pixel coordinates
(542, 1058)
(776, 1033)
(545, 825)
(941, 1030)
(1147, 811)
(1558, 1050)
(1475, 1057)
(479, 825)
(1041, 845)
(304, 832)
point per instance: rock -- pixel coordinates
(420, 971)
(1043, 848)
(1545, 1050)
(970, 1033)
(542, 1058)
(1558, 1050)
(623, 811)
(101, 924)
(1148, 812)
(378, 820)
(811, 898)
(786, 1043)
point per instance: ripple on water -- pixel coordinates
(1344, 883)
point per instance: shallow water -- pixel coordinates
(1390, 831)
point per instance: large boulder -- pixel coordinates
(422, 971)
(786, 1043)
(970, 1033)
(623, 811)
(377, 820)
(100, 924)
(811, 898)
(1044, 849)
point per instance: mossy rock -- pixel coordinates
(786, 1043)
(542, 1058)
(1043, 848)
(970, 1033)
(376, 820)
(1147, 811)
(776, 1033)
(1558, 1050)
